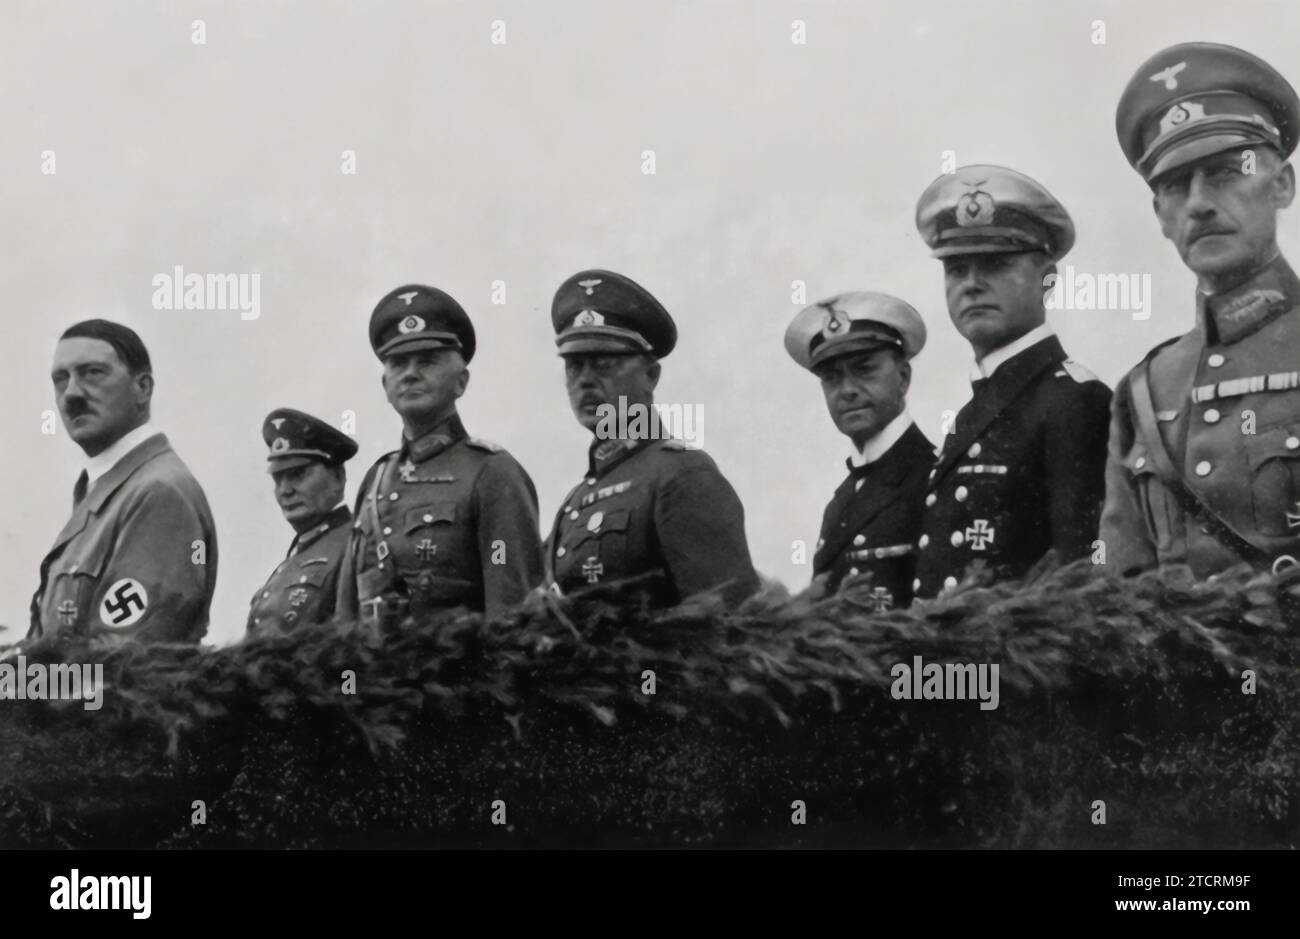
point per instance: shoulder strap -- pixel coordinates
(1144, 412)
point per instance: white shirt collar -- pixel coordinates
(879, 445)
(985, 367)
(102, 462)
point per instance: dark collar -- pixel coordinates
(604, 455)
(894, 463)
(1237, 313)
(110, 482)
(435, 441)
(1004, 387)
(340, 515)
(856, 508)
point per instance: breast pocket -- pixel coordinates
(601, 546)
(70, 592)
(301, 598)
(429, 531)
(1274, 457)
(1158, 506)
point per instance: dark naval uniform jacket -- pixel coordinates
(652, 507)
(448, 520)
(1022, 472)
(871, 529)
(138, 558)
(302, 587)
(1204, 457)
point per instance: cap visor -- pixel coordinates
(580, 344)
(413, 343)
(827, 351)
(291, 460)
(1200, 147)
(948, 251)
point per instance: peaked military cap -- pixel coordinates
(419, 317)
(985, 209)
(296, 438)
(600, 311)
(854, 322)
(1200, 98)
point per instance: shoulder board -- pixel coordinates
(481, 444)
(677, 445)
(379, 465)
(1076, 371)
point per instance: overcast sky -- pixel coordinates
(522, 162)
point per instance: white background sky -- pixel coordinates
(476, 162)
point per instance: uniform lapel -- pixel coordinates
(340, 515)
(429, 445)
(108, 484)
(1008, 383)
(857, 508)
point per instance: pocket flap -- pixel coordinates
(430, 514)
(1282, 442)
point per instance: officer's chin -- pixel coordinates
(419, 409)
(85, 430)
(1214, 254)
(982, 328)
(588, 416)
(859, 421)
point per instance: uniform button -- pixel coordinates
(924, 542)
(392, 497)
(1140, 462)
(949, 583)
(956, 539)
(302, 579)
(561, 553)
(916, 584)
(428, 517)
(974, 450)
(573, 516)
(853, 572)
(859, 540)
(1291, 444)
(931, 499)
(1212, 416)
(567, 507)
(265, 594)
(591, 482)
(1214, 361)
(1203, 468)
(388, 531)
(961, 493)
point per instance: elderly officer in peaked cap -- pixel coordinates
(305, 459)
(646, 505)
(446, 520)
(1204, 459)
(860, 345)
(1021, 471)
(137, 559)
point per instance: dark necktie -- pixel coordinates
(979, 385)
(79, 490)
